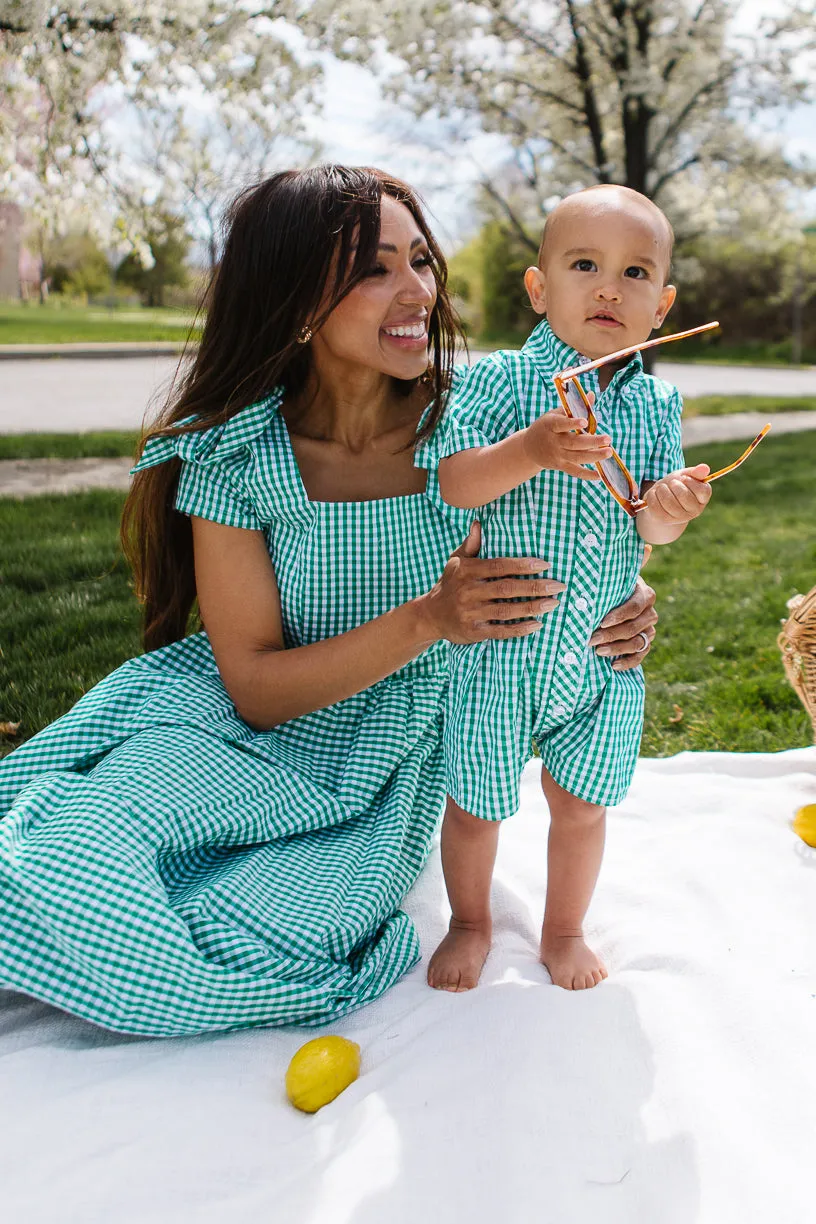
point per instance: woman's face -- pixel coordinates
(383, 322)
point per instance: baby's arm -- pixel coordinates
(480, 474)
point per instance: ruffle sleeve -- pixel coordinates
(212, 482)
(210, 494)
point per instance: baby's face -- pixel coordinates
(602, 277)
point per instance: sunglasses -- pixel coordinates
(613, 471)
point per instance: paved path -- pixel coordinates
(75, 395)
(79, 394)
(23, 477)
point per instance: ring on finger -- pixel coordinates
(645, 645)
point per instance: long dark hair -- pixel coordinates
(299, 239)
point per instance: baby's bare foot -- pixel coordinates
(457, 962)
(570, 962)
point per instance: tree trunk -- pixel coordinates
(636, 119)
(637, 113)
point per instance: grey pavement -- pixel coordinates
(74, 395)
(90, 348)
(27, 477)
(77, 395)
(99, 393)
(737, 425)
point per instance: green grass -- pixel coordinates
(752, 353)
(58, 324)
(68, 615)
(101, 445)
(722, 590)
(722, 405)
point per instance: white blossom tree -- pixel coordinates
(188, 156)
(67, 67)
(665, 96)
(196, 165)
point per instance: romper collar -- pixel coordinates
(549, 352)
(552, 355)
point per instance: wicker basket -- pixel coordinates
(797, 641)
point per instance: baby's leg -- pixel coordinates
(468, 854)
(574, 854)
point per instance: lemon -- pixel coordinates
(320, 1071)
(804, 823)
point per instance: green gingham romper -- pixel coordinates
(164, 868)
(550, 689)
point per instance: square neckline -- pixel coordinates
(367, 501)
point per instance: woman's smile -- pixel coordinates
(411, 334)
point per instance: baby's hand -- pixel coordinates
(680, 496)
(556, 440)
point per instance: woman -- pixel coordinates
(219, 834)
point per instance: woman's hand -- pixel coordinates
(627, 632)
(473, 592)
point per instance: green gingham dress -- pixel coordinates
(164, 868)
(550, 689)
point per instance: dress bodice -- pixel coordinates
(337, 564)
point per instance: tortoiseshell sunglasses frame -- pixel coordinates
(632, 502)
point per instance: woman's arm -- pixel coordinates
(240, 606)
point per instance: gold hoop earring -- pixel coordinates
(304, 335)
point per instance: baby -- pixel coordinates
(505, 445)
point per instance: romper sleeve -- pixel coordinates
(667, 455)
(480, 411)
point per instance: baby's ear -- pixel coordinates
(536, 288)
(665, 304)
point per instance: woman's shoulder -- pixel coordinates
(221, 443)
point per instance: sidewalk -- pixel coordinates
(27, 477)
(76, 395)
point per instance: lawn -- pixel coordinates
(107, 444)
(57, 324)
(68, 615)
(722, 405)
(715, 679)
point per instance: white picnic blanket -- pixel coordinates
(682, 1090)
